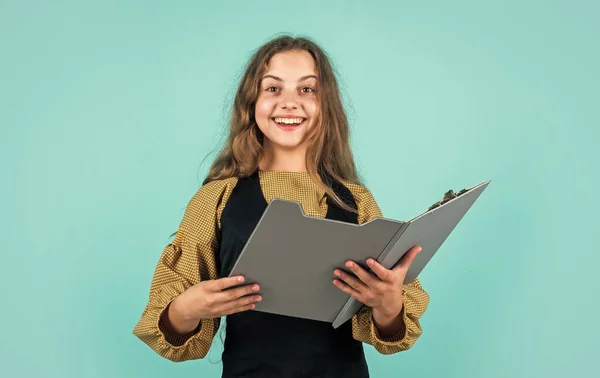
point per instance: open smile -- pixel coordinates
(289, 123)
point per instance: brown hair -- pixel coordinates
(328, 153)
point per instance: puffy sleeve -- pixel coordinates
(415, 299)
(187, 260)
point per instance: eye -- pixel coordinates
(307, 90)
(272, 89)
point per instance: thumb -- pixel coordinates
(408, 258)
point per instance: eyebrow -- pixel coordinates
(280, 79)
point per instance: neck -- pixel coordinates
(277, 159)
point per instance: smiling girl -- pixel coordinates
(288, 139)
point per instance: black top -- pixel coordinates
(259, 344)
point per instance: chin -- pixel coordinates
(282, 139)
(285, 144)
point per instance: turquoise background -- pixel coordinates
(107, 109)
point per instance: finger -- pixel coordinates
(381, 271)
(241, 302)
(350, 280)
(238, 292)
(408, 258)
(235, 310)
(362, 274)
(348, 290)
(227, 282)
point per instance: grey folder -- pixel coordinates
(292, 256)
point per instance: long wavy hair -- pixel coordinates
(328, 153)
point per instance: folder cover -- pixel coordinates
(292, 256)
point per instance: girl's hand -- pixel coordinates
(216, 298)
(382, 291)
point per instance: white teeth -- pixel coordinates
(289, 121)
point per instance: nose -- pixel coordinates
(289, 101)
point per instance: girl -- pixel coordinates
(288, 139)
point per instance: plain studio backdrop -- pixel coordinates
(107, 109)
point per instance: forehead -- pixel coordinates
(290, 65)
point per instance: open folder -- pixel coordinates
(292, 256)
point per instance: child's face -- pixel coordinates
(286, 108)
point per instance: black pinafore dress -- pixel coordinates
(264, 345)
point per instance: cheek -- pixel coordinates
(263, 109)
(311, 108)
